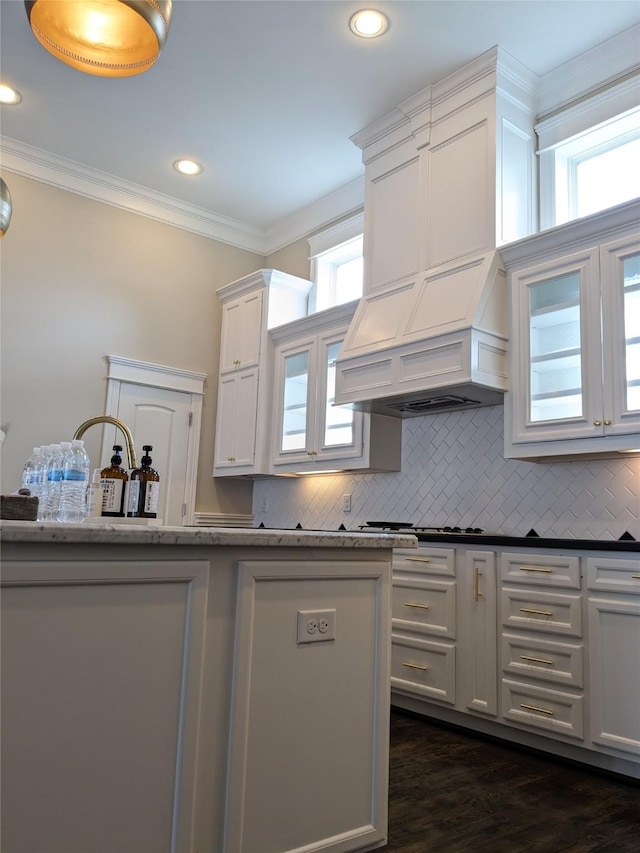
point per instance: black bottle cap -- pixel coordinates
(116, 459)
(146, 459)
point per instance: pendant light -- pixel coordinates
(109, 38)
(6, 208)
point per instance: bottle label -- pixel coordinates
(151, 494)
(112, 495)
(76, 475)
(94, 500)
(132, 500)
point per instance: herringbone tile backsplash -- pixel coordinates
(454, 473)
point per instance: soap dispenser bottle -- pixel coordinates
(114, 482)
(144, 489)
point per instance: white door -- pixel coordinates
(161, 418)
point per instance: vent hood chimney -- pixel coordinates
(449, 176)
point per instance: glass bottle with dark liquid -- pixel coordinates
(114, 482)
(144, 489)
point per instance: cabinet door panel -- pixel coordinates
(543, 708)
(614, 638)
(241, 326)
(542, 611)
(478, 660)
(236, 423)
(424, 605)
(559, 350)
(620, 264)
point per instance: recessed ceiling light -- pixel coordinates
(9, 95)
(368, 24)
(187, 167)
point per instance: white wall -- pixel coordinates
(82, 280)
(453, 472)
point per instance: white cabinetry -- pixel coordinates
(423, 652)
(477, 603)
(309, 432)
(250, 306)
(575, 294)
(450, 172)
(549, 658)
(541, 610)
(614, 636)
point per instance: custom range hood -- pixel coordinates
(436, 343)
(449, 177)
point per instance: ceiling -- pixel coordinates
(266, 93)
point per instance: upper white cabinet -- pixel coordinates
(575, 362)
(250, 307)
(450, 172)
(309, 432)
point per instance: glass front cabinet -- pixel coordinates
(575, 369)
(309, 433)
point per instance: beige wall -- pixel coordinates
(82, 280)
(293, 259)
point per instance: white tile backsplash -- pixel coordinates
(453, 472)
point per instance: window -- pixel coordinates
(336, 264)
(589, 155)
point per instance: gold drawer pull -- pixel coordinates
(636, 577)
(537, 612)
(476, 590)
(420, 666)
(536, 569)
(534, 708)
(537, 660)
(418, 559)
(415, 604)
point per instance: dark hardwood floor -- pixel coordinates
(452, 792)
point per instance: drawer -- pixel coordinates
(551, 612)
(423, 605)
(425, 560)
(423, 668)
(533, 657)
(614, 574)
(541, 570)
(543, 708)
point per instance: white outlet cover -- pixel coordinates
(326, 617)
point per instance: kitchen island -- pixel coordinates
(194, 690)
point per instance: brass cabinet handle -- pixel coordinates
(537, 660)
(477, 593)
(420, 666)
(231, 458)
(312, 452)
(534, 708)
(636, 577)
(236, 361)
(416, 604)
(536, 569)
(537, 612)
(607, 422)
(418, 559)
(597, 423)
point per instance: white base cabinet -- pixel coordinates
(547, 655)
(166, 700)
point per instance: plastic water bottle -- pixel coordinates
(42, 471)
(30, 471)
(75, 479)
(54, 476)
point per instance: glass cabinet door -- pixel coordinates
(338, 420)
(631, 309)
(555, 349)
(621, 332)
(295, 409)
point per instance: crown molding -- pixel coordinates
(40, 165)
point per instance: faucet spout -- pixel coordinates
(124, 429)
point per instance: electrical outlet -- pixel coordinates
(346, 503)
(316, 626)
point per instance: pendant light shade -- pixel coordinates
(109, 38)
(6, 208)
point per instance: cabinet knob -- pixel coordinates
(597, 423)
(231, 458)
(312, 452)
(607, 422)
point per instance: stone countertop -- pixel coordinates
(130, 534)
(540, 543)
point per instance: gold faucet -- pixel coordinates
(107, 419)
